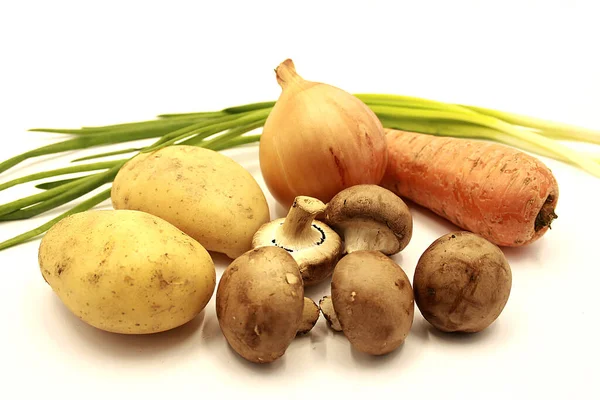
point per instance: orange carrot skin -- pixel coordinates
(490, 189)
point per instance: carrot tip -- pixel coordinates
(546, 215)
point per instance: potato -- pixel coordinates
(126, 271)
(202, 192)
(462, 282)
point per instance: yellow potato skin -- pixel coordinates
(202, 192)
(126, 271)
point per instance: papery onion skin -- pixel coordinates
(319, 140)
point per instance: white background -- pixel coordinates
(69, 64)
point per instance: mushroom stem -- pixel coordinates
(297, 226)
(363, 234)
(370, 217)
(314, 245)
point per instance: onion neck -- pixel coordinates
(297, 226)
(286, 74)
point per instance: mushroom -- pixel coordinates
(260, 303)
(370, 217)
(314, 245)
(310, 316)
(462, 282)
(326, 306)
(373, 300)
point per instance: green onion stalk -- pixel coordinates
(233, 126)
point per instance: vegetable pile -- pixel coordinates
(218, 130)
(345, 167)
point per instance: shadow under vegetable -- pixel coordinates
(126, 345)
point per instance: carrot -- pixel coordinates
(490, 189)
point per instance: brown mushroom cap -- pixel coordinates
(310, 316)
(259, 304)
(462, 282)
(370, 217)
(373, 300)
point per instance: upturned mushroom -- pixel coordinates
(373, 302)
(369, 217)
(314, 245)
(261, 306)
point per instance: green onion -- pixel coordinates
(210, 114)
(153, 125)
(59, 171)
(239, 141)
(553, 130)
(411, 103)
(249, 107)
(218, 125)
(83, 206)
(52, 198)
(57, 183)
(107, 154)
(94, 139)
(229, 135)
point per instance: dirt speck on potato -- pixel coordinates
(93, 279)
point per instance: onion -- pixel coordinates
(318, 140)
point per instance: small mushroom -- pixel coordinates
(370, 217)
(260, 303)
(326, 306)
(314, 245)
(373, 301)
(310, 316)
